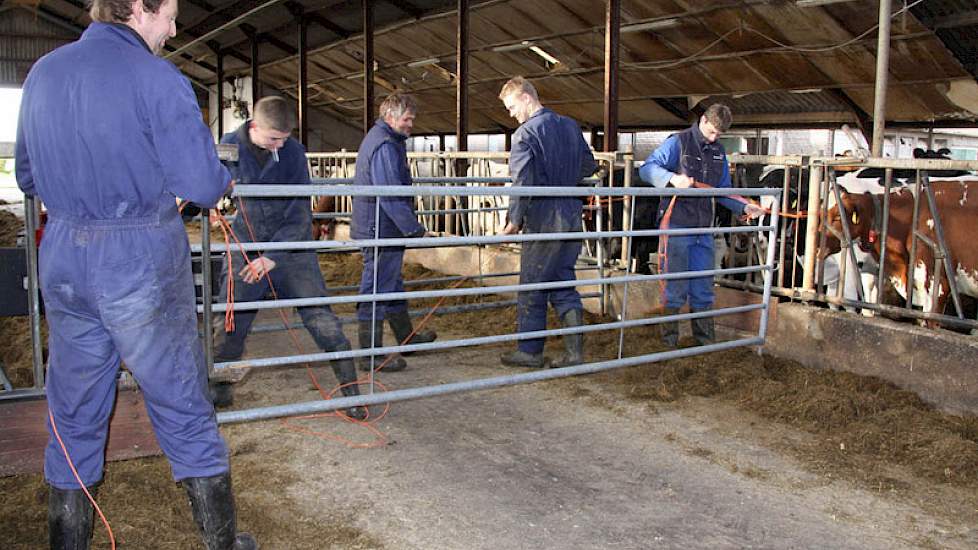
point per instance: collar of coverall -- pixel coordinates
(392, 132)
(131, 31)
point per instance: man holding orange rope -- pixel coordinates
(683, 160)
(109, 135)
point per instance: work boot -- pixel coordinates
(573, 343)
(703, 330)
(367, 330)
(346, 374)
(212, 504)
(400, 322)
(70, 516)
(523, 359)
(669, 331)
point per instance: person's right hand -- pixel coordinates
(510, 229)
(681, 181)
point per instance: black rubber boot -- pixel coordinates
(346, 373)
(367, 330)
(523, 359)
(212, 504)
(70, 517)
(573, 343)
(669, 331)
(400, 323)
(704, 330)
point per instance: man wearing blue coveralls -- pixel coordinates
(267, 154)
(693, 155)
(109, 135)
(382, 160)
(548, 149)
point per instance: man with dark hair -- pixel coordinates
(267, 154)
(548, 150)
(108, 135)
(382, 160)
(691, 156)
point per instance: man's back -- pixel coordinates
(108, 131)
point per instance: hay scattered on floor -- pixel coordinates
(10, 227)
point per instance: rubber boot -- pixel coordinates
(573, 343)
(703, 330)
(212, 504)
(346, 374)
(70, 517)
(400, 322)
(669, 331)
(373, 333)
(523, 359)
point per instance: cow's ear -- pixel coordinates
(843, 191)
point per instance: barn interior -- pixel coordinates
(847, 430)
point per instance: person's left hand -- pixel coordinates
(753, 211)
(256, 269)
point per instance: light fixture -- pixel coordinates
(546, 56)
(513, 47)
(656, 25)
(423, 62)
(813, 3)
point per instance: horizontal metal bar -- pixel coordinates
(781, 160)
(447, 241)
(18, 394)
(480, 340)
(344, 215)
(276, 190)
(475, 291)
(311, 407)
(905, 164)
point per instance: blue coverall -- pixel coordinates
(382, 160)
(689, 153)
(296, 273)
(547, 150)
(109, 135)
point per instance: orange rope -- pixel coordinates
(74, 472)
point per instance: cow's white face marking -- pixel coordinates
(964, 195)
(930, 224)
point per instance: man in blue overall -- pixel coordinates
(382, 160)
(109, 135)
(268, 154)
(548, 150)
(693, 155)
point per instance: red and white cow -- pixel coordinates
(957, 206)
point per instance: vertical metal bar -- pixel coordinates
(848, 253)
(811, 232)
(612, 29)
(785, 188)
(255, 83)
(628, 225)
(882, 74)
(303, 83)
(31, 225)
(462, 77)
(627, 212)
(205, 287)
(944, 252)
(600, 245)
(912, 264)
(220, 92)
(368, 65)
(373, 304)
(887, 185)
(768, 273)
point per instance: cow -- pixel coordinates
(644, 214)
(957, 206)
(324, 229)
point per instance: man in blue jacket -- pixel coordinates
(693, 155)
(109, 135)
(548, 150)
(268, 154)
(382, 160)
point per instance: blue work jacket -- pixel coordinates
(272, 219)
(688, 152)
(109, 131)
(382, 160)
(548, 150)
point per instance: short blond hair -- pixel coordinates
(719, 116)
(396, 104)
(517, 85)
(275, 112)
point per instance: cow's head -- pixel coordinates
(859, 213)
